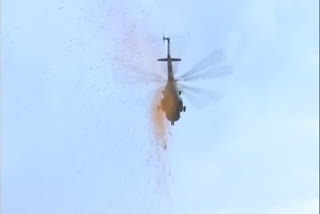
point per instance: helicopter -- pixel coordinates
(171, 103)
(176, 84)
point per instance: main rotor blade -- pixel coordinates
(214, 72)
(148, 75)
(199, 97)
(131, 73)
(201, 92)
(212, 59)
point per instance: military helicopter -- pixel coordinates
(171, 103)
(176, 84)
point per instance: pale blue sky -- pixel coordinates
(75, 139)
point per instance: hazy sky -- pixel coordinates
(76, 139)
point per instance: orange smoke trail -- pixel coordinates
(136, 50)
(159, 122)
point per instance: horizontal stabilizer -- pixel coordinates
(163, 59)
(166, 59)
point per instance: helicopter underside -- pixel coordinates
(172, 112)
(172, 104)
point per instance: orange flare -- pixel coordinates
(159, 122)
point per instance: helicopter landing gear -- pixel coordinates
(184, 108)
(172, 123)
(179, 92)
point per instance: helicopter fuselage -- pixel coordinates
(171, 102)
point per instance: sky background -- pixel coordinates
(75, 138)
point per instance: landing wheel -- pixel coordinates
(184, 108)
(172, 123)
